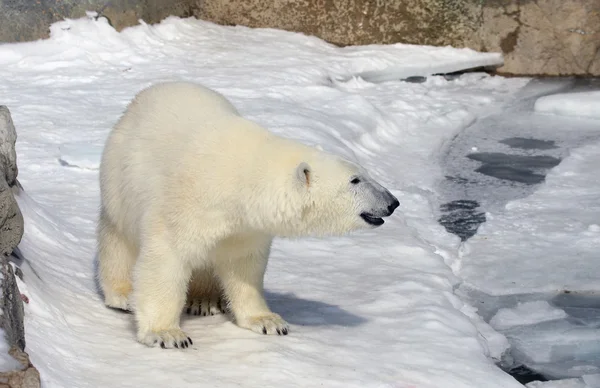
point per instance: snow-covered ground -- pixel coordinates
(374, 309)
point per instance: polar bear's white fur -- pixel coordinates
(192, 195)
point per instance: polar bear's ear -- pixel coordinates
(303, 174)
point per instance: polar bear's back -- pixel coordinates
(193, 99)
(160, 128)
(175, 140)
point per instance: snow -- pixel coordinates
(7, 362)
(527, 313)
(373, 309)
(425, 61)
(581, 104)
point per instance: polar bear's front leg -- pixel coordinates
(241, 270)
(160, 286)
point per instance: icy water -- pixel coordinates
(500, 158)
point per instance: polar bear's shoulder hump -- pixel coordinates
(184, 95)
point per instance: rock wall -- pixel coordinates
(546, 37)
(26, 20)
(537, 37)
(22, 374)
(11, 219)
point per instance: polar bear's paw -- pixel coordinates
(120, 302)
(204, 307)
(266, 324)
(167, 339)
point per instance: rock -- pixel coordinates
(351, 22)
(28, 377)
(11, 231)
(11, 304)
(542, 37)
(11, 219)
(26, 20)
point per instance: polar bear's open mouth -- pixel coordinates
(372, 220)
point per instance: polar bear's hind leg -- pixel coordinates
(161, 279)
(204, 293)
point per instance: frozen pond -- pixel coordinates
(500, 158)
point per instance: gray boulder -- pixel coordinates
(19, 374)
(11, 219)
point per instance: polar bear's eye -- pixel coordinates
(355, 181)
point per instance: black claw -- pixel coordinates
(177, 346)
(185, 343)
(203, 313)
(189, 310)
(162, 345)
(284, 331)
(264, 330)
(189, 339)
(278, 332)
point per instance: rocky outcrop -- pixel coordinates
(27, 377)
(544, 37)
(26, 20)
(350, 22)
(22, 374)
(11, 219)
(537, 37)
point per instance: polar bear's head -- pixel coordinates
(333, 196)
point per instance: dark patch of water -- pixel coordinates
(524, 375)
(577, 300)
(511, 174)
(415, 79)
(461, 218)
(529, 143)
(516, 168)
(517, 161)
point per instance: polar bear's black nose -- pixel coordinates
(393, 206)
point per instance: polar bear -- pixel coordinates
(192, 195)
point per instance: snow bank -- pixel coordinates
(375, 309)
(583, 104)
